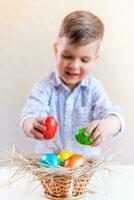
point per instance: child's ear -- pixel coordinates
(97, 56)
(55, 48)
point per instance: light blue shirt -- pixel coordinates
(73, 109)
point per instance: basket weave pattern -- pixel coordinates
(65, 187)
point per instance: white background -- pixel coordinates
(28, 29)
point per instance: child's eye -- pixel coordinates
(66, 56)
(85, 60)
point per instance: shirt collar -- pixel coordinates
(85, 82)
(57, 80)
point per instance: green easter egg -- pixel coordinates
(83, 139)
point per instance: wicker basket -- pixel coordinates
(59, 183)
(65, 186)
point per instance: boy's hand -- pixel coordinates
(34, 128)
(98, 127)
(103, 128)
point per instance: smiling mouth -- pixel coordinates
(71, 73)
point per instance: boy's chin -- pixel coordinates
(71, 84)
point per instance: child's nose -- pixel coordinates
(75, 64)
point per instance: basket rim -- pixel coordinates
(62, 174)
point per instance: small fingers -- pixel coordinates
(91, 127)
(97, 136)
(39, 127)
(98, 141)
(36, 134)
(96, 133)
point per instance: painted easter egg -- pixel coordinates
(63, 155)
(75, 161)
(49, 160)
(51, 126)
(82, 138)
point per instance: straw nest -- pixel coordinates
(58, 182)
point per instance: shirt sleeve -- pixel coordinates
(37, 103)
(102, 107)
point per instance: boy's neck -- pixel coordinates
(71, 87)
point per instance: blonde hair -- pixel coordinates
(81, 27)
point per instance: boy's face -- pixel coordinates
(73, 62)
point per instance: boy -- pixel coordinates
(71, 94)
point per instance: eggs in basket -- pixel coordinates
(65, 175)
(64, 158)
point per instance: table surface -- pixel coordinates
(117, 184)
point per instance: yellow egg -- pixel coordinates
(63, 155)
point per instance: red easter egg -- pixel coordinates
(51, 126)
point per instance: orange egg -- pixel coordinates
(74, 161)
